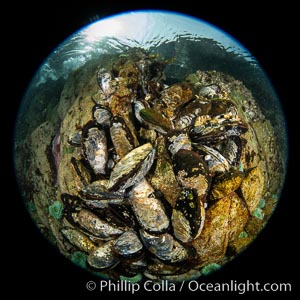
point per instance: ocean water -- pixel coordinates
(193, 43)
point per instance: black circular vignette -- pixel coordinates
(271, 257)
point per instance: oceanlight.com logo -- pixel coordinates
(193, 286)
(239, 287)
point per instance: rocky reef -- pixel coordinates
(124, 148)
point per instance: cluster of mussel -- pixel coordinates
(153, 158)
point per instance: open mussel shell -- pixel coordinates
(215, 161)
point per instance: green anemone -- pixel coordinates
(56, 209)
(79, 258)
(210, 268)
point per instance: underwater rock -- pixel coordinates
(225, 184)
(42, 171)
(252, 188)
(212, 243)
(224, 221)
